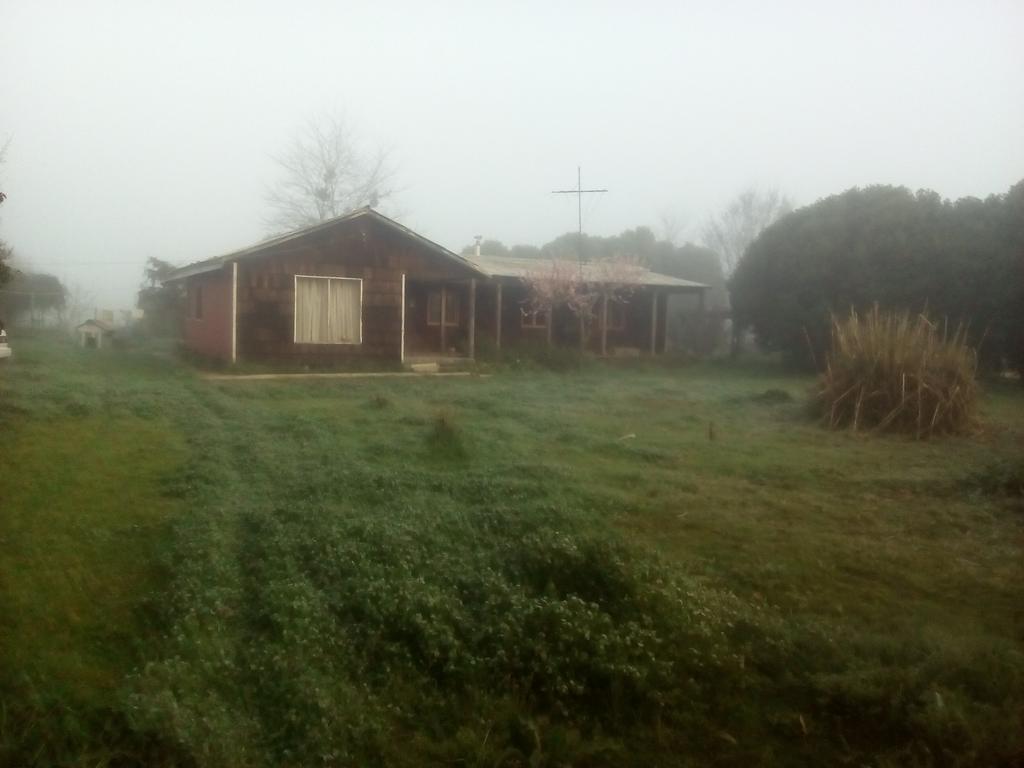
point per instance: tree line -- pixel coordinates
(959, 262)
(782, 273)
(24, 293)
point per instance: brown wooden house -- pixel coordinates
(364, 286)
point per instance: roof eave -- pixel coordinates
(191, 270)
(211, 265)
(681, 285)
(436, 247)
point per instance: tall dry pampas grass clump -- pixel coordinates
(899, 373)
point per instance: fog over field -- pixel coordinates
(148, 129)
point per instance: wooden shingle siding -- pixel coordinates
(209, 335)
(266, 293)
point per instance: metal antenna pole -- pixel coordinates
(579, 192)
(579, 202)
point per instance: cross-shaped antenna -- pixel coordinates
(579, 192)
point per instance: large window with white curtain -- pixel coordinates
(328, 310)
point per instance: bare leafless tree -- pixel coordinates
(674, 224)
(732, 231)
(77, 306)
(735, 228)
(326, 172)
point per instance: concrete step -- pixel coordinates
(424, 367)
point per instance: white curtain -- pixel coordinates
(345, 311)
(327, 311)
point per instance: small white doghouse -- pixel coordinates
(91, 333)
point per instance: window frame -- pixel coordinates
(295, 311)
(533, 314)
(448, 322)
(197, 302)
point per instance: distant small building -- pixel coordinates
(91, 333)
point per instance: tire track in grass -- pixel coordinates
(207, 673)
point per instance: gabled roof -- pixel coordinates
(515, 267)
(259, 249)
(485, 266)
(103, 325)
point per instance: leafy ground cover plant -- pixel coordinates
(285, 573)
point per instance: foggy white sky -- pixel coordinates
(146, 129)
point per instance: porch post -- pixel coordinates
(401, 350)
(604, 325)
(654, 321)
(497, 321)
(664, 328)
(444, 297)
(701, 324)
(234, 312)
(472, 317)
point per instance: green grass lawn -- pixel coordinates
(621, 565)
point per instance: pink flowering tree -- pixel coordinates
(613, 279)
(582, 288)
(551, 283)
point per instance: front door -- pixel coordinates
(434, 319)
